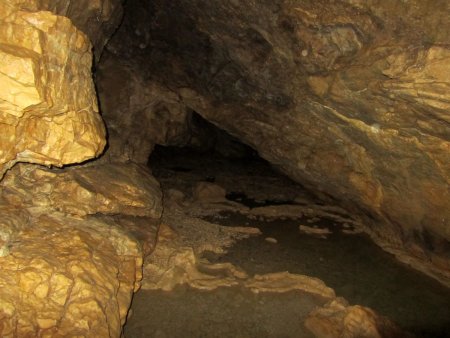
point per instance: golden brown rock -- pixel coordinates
(96, 18)
(339, 320)
(65, 276)
(70, 259)
(176, 261)
(48, 109)
(107, 189)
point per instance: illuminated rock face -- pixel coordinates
(350, 99)
(72, 279)
(69, 251)
(98, 19)
(48, 105)
(69, 255)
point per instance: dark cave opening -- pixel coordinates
(206, 138)
(243, 83)
(219, 153)
(256, 169)
(330, 249)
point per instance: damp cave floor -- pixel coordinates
(352, 265)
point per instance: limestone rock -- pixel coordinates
(348, 98)
(72, 244)
(173, 263)
(11, 224)
(339, 320)
(138, 113)
(63, 274)
(271, 240)
(107, 189)
(98, 19)
(208, 192)
(48, 110)
(285, 281)
(67, 277)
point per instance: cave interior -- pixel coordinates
(225, 169)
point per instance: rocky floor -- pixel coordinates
(236, 266)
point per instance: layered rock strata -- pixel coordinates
(348, 98)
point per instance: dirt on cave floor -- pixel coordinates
(267, 224)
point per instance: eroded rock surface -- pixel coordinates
(138, 113)
(48, 105)
(338, 319)
(348, 98)
(67, 277)
(108, 189)
(72, 243)
(98, 19)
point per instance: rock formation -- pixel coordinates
(70, 257)
(98, 19)
(49, 110)
(346, 98)
(338, 319)
(350, 98)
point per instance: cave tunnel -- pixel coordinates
(224, 168)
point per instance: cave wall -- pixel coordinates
(38, 112)
(98, 19)
(72, 240)
(49, 113)
(138, 113)
(349, 98)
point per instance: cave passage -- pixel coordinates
(328, 248)
(351, 264)
(265, 168)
